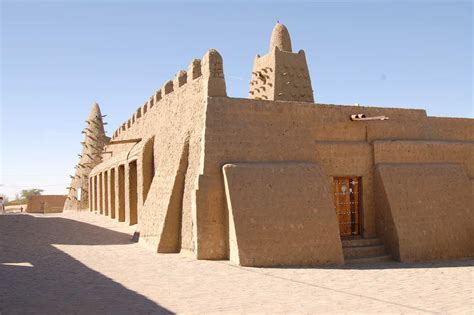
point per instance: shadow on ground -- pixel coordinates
(468, 262)
(57, 283)
(399, 265)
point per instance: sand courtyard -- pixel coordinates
(85, 263)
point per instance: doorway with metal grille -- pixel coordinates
(347, 197)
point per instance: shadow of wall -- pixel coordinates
(57, 283)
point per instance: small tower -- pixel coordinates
(281, 75)
(92, 147)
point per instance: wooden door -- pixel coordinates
(347, 196)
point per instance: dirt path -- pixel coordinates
(85, 263)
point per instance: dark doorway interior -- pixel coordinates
(133, 193)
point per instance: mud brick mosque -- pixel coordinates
(277, 179)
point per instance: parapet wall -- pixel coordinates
(416, 152)
(210, 73)
(172, 121)
(460, 129)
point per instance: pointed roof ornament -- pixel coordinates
(95, 111)
(280, 38)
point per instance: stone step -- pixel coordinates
(368, 259)
(361, 242)
(363, 251)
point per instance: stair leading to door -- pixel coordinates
(364, 251)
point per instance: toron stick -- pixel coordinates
(362, 117)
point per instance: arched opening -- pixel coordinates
(112, 193)
(121, 193)
(101, 194)
(91, 194)
(106, 192)
(133, 193)
(94, 186)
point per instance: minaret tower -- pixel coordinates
(281, 75)
(92, 147)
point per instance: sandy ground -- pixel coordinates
(84, 263)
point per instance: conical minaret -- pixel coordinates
(280, 38)
(281, 75)
(92, 147)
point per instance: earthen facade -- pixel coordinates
(277, 179)
(46, 204)
(91, 155)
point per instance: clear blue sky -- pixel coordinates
(58, 57)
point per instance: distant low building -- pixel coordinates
(277, 179)
(46, 204)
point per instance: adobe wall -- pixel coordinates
(262, 87)
(458, 151)
(281, 214)
(455, 152)
(200, 130)
(425, 211)
(46, 204)
(171, 128)
(460, 129)
(243, 130)
(162, 170)
(396, 196)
